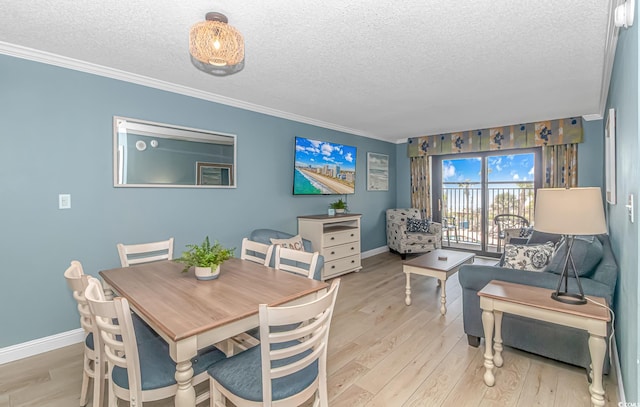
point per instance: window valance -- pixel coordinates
(545, 133)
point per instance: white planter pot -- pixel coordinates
(339, 210)
(204, 273)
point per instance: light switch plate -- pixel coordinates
(64, 201)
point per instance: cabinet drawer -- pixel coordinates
(341, 265)
(340, 237)
(338, 252)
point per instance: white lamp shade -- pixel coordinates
(570, 211)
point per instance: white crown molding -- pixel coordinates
(609, 57)
(41, 345)
(591, 117)
(82, 66)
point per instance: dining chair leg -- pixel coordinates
(216, 399)
(98, 383)
(85, 389)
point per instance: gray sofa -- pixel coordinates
(265, 235)
(565, 344)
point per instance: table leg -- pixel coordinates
(487, 325)
(186, 394)
(407, 299)
(497, 339)
(443, 296)
(597, 349)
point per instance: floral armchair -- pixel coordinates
(402, 241)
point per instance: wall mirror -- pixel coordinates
(148, 154)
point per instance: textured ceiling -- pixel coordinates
(386, 69)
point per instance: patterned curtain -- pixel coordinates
(560, 164)
(421, 185)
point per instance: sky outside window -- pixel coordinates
(517, 168)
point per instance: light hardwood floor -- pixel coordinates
(381, 353)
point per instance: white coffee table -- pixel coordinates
(440, 264)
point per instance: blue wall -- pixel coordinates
(623, 97)
(57, 138)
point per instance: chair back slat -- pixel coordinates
(296, 261)
(113, 319)
(301, 338)
(256, 252)
(145, 252)
(77, 282)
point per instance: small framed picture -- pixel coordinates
(214, 173)
(377, 172)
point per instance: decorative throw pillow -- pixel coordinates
(417, 225)
(294, 243)
(586, 252)
(528, 257)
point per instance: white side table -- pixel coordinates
(533, 302)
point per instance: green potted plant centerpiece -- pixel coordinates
(339, 206)
(205, 258)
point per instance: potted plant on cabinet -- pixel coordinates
(339, 206)
(205, 258)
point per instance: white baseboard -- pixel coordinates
(375, 251)
(41, 345)
(622, 400)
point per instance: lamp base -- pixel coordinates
(569, 298)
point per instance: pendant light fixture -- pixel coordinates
(216, 47)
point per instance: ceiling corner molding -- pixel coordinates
(591, 117)
(88, 67)
(609, 57)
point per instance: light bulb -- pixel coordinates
(216, 44)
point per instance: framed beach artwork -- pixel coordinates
(377, 172)
(610, 156)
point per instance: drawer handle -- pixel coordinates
(352, 235)
(333, 267)
(333, 252)
(353, 261)
(353, 248)
(333, 238)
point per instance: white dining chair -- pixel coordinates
(138, 372)
(296, 261)
(93, 368)
(256, 252)
(289, 367)
(145, 252)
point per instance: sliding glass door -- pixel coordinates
(470, 190)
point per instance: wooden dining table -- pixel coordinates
(192, 314)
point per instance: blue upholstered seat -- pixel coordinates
(157, 369)
(144, 332)
(242, 374)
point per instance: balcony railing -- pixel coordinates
(465, 204)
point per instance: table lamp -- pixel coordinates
(570, 212)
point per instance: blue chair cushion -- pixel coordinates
(143, 332)
(242, 375)
(157, 369)
(88, 341)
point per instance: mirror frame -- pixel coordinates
(170, 131)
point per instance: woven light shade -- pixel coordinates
(215, 46)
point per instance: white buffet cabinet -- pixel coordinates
(337, 238)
